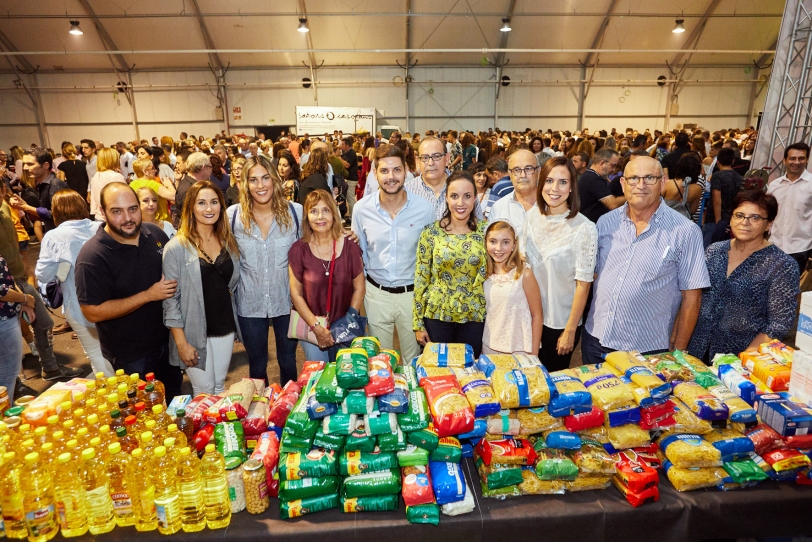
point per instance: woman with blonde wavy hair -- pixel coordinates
(201, 316)
(233, 192)
(265, 225)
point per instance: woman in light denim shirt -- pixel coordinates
(265, 225)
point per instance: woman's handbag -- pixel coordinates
(298, 328)
(348, 327)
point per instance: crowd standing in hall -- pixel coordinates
(508, 241)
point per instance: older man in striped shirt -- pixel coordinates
(650, 272)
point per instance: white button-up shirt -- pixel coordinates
(509, 208)
(792, 229)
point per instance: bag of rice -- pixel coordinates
(417, 417)
(423, 513)
(585, 420)
(535, 420)
(372, 483)
(690, 451)
(339, 424)
(607, 391)
(332, 441)
(237, 401)
(745, 471)
(416, 485)
(267, 452)
(504, 422)
(413, 456)
(591, 458)
(449, 408)
(447, 355)
(305, 488)
(516, 451)
(686, 421)
(628, 436)
(256, 421)
(425, 438)
(448, 449)
(691, 479)
(465, 506)
(381, 378)
(448, 482)
(397, 401)
(562, 440)
(281, 407)
(634, 367)
(357, 402)
(313, 464)
(352, 368)
(523, 387)
(393, 442)
(230, 440)
(478, 391)
(327, 388)
(377, 503)
(370, 345)
(382, 424)
(302, 507)
(318, 410)
(290, 443)
(731, 444)
(308, 369)
(359, 439)
(589, 483)
(408, 372)
(703, 403)
(532, 485)
(353, 463)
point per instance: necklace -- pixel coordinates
(321, 260)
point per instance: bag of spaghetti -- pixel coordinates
(504, 422)
(449, 408)
(535, 420)
(691, 479)
(522, 388)
(570, 396)
(627, 436)
(690, 451)
(633, 366)
(447, 355)
(703, 403)
(478, 391)
(608, 392)
(533, 485)
(731, 444)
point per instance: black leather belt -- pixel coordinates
(397, 290)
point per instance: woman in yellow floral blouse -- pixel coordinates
(449, 297)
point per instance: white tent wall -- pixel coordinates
(168, 102)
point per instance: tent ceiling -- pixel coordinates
(172, 25)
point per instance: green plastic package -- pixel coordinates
(413, 456)
(352, 463)
(499, 476)
(386, 423)
(555, 465)
(372, 483)
(393, 442)
(361, 443)
(299, 422)
(339, 424)
(327, 388)
(289, 443)
(357, 402)
(425, 438)
(369, 344)
(376, 503)
(745, 471)
(423, 513)
(313, 464)
(294, 509)
(417, 417)
(329, 442)
(448, 450)
(352, 368)
(292, 490)
(411, 375)
(502, 493)
(230, 440)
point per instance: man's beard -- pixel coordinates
(124, 234)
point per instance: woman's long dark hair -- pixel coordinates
(445, 221)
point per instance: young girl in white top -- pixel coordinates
(513, 320)
(148, 200)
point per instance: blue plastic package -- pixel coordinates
(736, 383)
(623, 416)
(563, 440)
(467, 448)
(571, 396)
(396, 402)
(734, 449)
(317, 410)
(480, 428)
(448, 482)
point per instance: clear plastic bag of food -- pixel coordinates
(536, 420)
(447, 355)
(504, 422)
(589, 482)
(478, 391)
(516, 451)
(284, 404)
(628, 436)
(690, 451)
(591, 458)
(533, 485)
(607, 390)
(731, 444)
(686, 421)
(498, 476)
(522, 388)
(703, 403)
(692, 479)
(256, 421)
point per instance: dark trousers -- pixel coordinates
(156, 362)
(802, 258)
(451, 332)
(548, 354)
(592, 351)
(255, 339)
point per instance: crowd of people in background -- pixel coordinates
(162, 253)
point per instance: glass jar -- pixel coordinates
(5, 403)
(256, 487)
(24, 400)
(236, 490)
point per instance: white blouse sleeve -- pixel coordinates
(586, 250)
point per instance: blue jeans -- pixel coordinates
(11, 354)
(255, 339)
(156, 362)
(312, 352)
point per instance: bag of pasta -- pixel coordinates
(449, 408)
(589, 482)
(607, 391)
(576, 422)
(535, 420)
(634, 367)
(506, 452)
(628, 436)
(690, 451)
(478, 391)
(426, 372)
(532, 485)
(488, 363)
(731, 444)
(504, 422)
(739, 410)
(686, 421)
(571, 397)
(703, 403)
(691, 479)
(522, 388)
(498, 476)
(593, 459)
(554, 464)
(447, 355)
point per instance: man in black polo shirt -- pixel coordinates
(120, 286)
(39, 165)
(350, 161)
(593, 185)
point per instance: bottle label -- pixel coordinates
(61, 515)
(262, 489)
(41, 522)
(122, 504)
(161, 513)
(13, 507)
(232, 494)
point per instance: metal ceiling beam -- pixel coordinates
(216, 65)
(754, 90)
(592, 60)
(204, 30)
(310, 54)
(645, 15)
(9, 46)
(112, 50)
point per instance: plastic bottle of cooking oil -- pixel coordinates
(41, 435)
(118, 470)
(101, 452)
(142, 492)
(167, 501)
(190, 488)
(90, 389)
(71, 503)
(53, 423)
(46, 453)
(157, 434)
(172, 451)
(162, 419)
(215, 489)
(121, 377)
(11, 497)
(116, 420)
(132, 383)
(59, 440)
(106, 436)
(38, 500)
(128, 442)
(83, 437)
(101, 382)
(157, 385)
(100, 513)
(69, 428)
(180, 439)
(79, 400)
(147, 444)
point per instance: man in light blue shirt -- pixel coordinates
(650, 272)
(388, 224)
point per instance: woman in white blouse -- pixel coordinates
(561, 246)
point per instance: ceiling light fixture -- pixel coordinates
(303, 25)
(74, 28)
(680, 28)
(505, 25)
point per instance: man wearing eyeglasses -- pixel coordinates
(430, 184)
(524, 174)
(792, 229)
(593, 185)
(650, 272)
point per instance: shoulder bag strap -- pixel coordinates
(330, 284)
(234, 219)
(295, 220)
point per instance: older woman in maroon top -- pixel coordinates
(323, 255)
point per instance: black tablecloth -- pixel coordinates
(770, 509)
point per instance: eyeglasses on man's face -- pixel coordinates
(647, 179)
(437, 156)
(528, 171)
